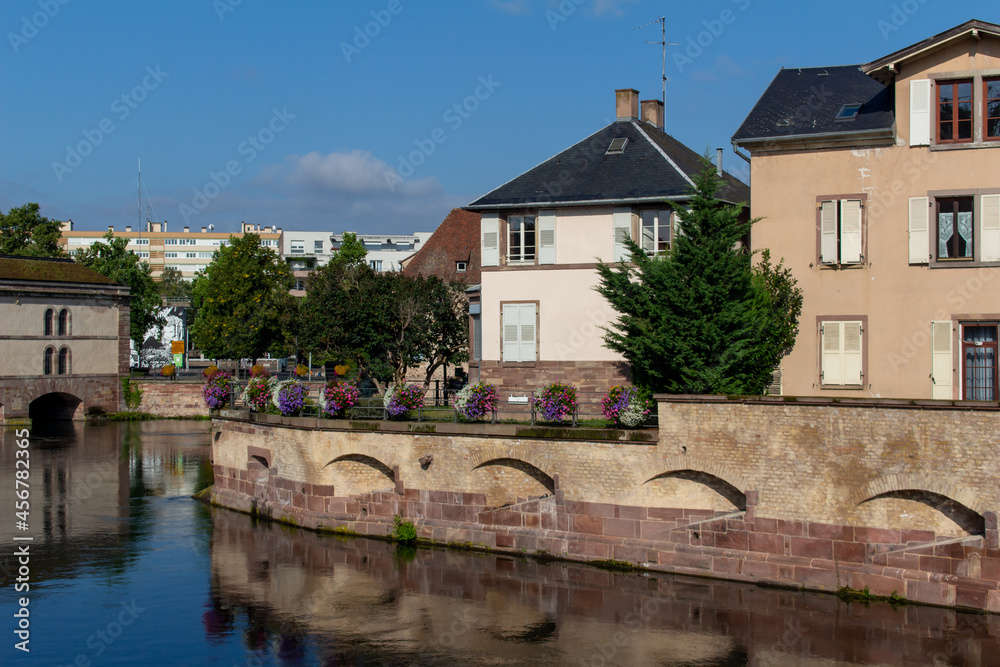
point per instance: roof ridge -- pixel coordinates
(663, 153)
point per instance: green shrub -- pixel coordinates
(403, 531)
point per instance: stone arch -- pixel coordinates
(367, 460)
(954, 491)
(716, 484)
(515, 453)
(532, 471)
(675, 463)
(54, 405)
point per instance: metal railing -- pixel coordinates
(514, 406)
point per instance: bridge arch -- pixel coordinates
(56, 405)
(887, 484)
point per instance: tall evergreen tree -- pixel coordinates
(701, 319)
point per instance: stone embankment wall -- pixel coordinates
(890, 496)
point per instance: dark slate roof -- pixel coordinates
(653, 166)
(455, 240)
(804, 102)
(49, 270)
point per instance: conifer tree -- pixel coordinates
(701, 319)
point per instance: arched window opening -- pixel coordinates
(64, 361)
(49, 319)
(64, 322)
(47, 364)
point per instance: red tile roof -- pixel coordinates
(455, 240)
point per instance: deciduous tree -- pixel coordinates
(702, 319)
(241, 302)
(23, 231)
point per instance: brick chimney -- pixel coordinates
(652, 113)
(627, 104)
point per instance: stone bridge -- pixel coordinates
(58, 397)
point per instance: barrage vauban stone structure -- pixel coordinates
(65, 338)
(897, 497)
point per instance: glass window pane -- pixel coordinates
(965, 129)
(946, 91)
(965, 91)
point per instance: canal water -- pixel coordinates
(126, 569)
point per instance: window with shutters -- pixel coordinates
(520, 329)
(842, 352)
(956, 112)
(657, 231)
(840, 229)
(951, 229)
(979, 361)
(520, 239)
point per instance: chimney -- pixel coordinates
(718, 161)
(626, 103)
(187, 229)
(111, 228)
(128, 228)
(66, 226)
(652, 113)
(202, 230)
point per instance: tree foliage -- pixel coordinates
(384, 323)
(241, 302)
(112, 258)
(172, 284)
(23, 231)
(702, 319)
(351, 250)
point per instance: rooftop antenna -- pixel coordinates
(663, 43)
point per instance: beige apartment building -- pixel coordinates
(880, 186)
(189, 251)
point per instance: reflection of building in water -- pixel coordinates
(82, 478)
(367, 601)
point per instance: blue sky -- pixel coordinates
(378, 117)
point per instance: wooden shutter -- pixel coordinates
(941, 360)
(919, 239)
(490, 237)
(920, 112)
(852, 353)
(833, 358)
(850, 231)
(989, 243)
(622, 223)
(527, 333)
(828, 232)
(511, 332)
(546, 237)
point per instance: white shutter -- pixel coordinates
(546, 237)
(989, 243)
(920, 112)
(919, 239)
(941, 360)
(527, 333)
(828, 232)
(833, 358)
(852, 353)
(850, 231)
(622, 223)
(511, 331)
(490, 237)
(666, 223)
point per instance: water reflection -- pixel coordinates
(364, 602)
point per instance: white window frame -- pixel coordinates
(522, 256)
(375, 264)
(318, 247)
(655, 220)
(298, 247)
(461, 267)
